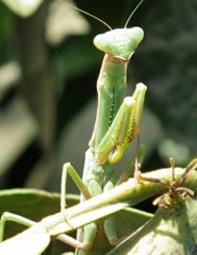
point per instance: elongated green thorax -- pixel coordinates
(111, 87)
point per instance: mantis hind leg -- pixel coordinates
(90, 230)
(7, 216)
(110, 222)
(87, 235)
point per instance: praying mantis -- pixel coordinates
(117, 124)
(118, 121)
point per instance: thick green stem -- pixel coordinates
(132, 191)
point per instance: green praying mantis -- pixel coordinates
(117, 123)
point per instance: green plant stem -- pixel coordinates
(131, 191)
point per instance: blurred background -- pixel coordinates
(48, 72)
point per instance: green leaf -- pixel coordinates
(23, 8)
(129, 220)
(30, 203)
(33, 241)
(171, 231)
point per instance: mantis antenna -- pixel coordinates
(91, 15)
(131, 15)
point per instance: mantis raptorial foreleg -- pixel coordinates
(116, 133)
(123, 129)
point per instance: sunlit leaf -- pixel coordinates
(33, 241)
(23, 8)
(171, 231)
(30, 203)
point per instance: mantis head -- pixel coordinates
(120, 42)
